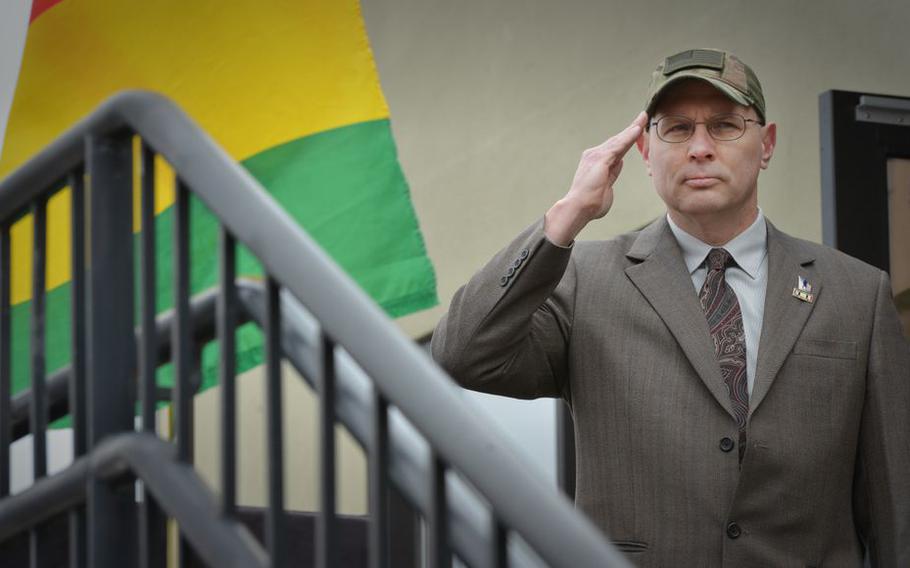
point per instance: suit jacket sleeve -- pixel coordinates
(507, 329)
(882, 482)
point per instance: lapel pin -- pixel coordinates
(803, 290)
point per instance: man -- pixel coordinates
(741, 397)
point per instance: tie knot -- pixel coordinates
(719, 259)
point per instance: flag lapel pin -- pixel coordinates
(803, 290)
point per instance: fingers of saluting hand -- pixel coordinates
(617, 146)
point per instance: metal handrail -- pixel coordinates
(202, 308)
(404, 375)
(218, 540)
(409, 457)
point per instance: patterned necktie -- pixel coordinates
(725, 321)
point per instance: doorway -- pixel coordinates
(865, 161)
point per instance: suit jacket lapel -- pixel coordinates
(784, 315)
(662, 278)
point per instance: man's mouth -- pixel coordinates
(701, 181)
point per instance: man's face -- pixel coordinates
(703, 177)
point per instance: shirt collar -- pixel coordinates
(748, 248)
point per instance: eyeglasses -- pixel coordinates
(722, 127)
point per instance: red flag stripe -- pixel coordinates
(41, 6)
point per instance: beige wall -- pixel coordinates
(492, 102)
(301, 446)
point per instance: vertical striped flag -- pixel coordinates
(287, 88)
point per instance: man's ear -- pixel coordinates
(768, 142)
(644, 148)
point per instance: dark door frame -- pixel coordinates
(859, 133)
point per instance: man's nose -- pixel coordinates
(701, 145)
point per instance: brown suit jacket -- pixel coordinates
(615, 328)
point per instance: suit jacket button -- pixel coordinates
(733, 530)
(517, 262)
(510, 271)
(504, 281)
(726, 444)
(524, 254)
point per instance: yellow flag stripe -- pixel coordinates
(252, 74)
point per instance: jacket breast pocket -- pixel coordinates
(630, 546)
(826, 348)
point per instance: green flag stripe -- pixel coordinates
(346, 187)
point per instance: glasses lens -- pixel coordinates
(674, 128)
(726, 126)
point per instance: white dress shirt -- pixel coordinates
(748, 277)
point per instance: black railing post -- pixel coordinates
(152, 521)
(5, 352)
(276, 522)
(379, 483)
(226, 326)
(149, 344)
(440, 555)
(77, 386)
(181, 340)
(405, 538)
(499, 543)
(565, 449)
(77, 537)
(38, 412)
(111, 343)
(326, 553)
(182, 347)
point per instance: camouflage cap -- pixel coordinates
(723, 70)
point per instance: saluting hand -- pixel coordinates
(591, 193)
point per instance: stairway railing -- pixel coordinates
(216, 540)
(307, 304)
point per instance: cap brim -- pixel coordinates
(724, 88)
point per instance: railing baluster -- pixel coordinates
(405, 534)
(326, 554)
(77, 307)
(565, 450)
(5, 352)
(149, 348)
(77, 534)
(275, 521)
(226, 323)
(379, 483)
(152, 521)
(38, 410)
(440, 555)
(181, 342)
(152, 533)
(499, 552)
(181, 347)
(111, 343)
(38, 414)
